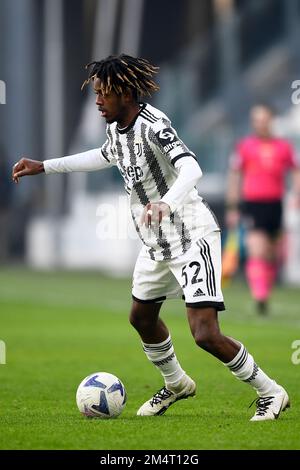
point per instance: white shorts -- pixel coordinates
(194, 276)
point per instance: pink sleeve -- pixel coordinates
(236, 160)
(292, 161)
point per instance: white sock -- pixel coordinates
(245, 369)
(162, 355)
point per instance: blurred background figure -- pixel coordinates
(5, 207)
(256, 189)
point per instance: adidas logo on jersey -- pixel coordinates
(198, 293)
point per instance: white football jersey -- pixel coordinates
(145, 153)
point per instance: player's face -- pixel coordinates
(261, 120)
(112, 107)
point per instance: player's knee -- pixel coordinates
(206, 339)
(137, 317)
(134, 317)
(144, 316)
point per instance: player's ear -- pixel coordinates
(128, 95)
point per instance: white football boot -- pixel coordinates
(165, 397)
(270, 407)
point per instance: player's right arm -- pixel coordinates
(92, 160)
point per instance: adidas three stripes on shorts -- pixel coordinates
(195, 276)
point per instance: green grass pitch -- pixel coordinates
(60, 327)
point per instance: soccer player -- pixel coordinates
(181, 238)
(256, 188)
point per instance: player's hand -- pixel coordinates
(154, 212)
(26, 167)
(232, 218)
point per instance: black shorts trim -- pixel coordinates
(219, 306)
(158, 299)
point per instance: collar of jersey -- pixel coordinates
(130, 126)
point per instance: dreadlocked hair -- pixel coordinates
(117, 73)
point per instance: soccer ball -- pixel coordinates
(101, 395)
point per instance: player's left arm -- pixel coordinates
(189, 173)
